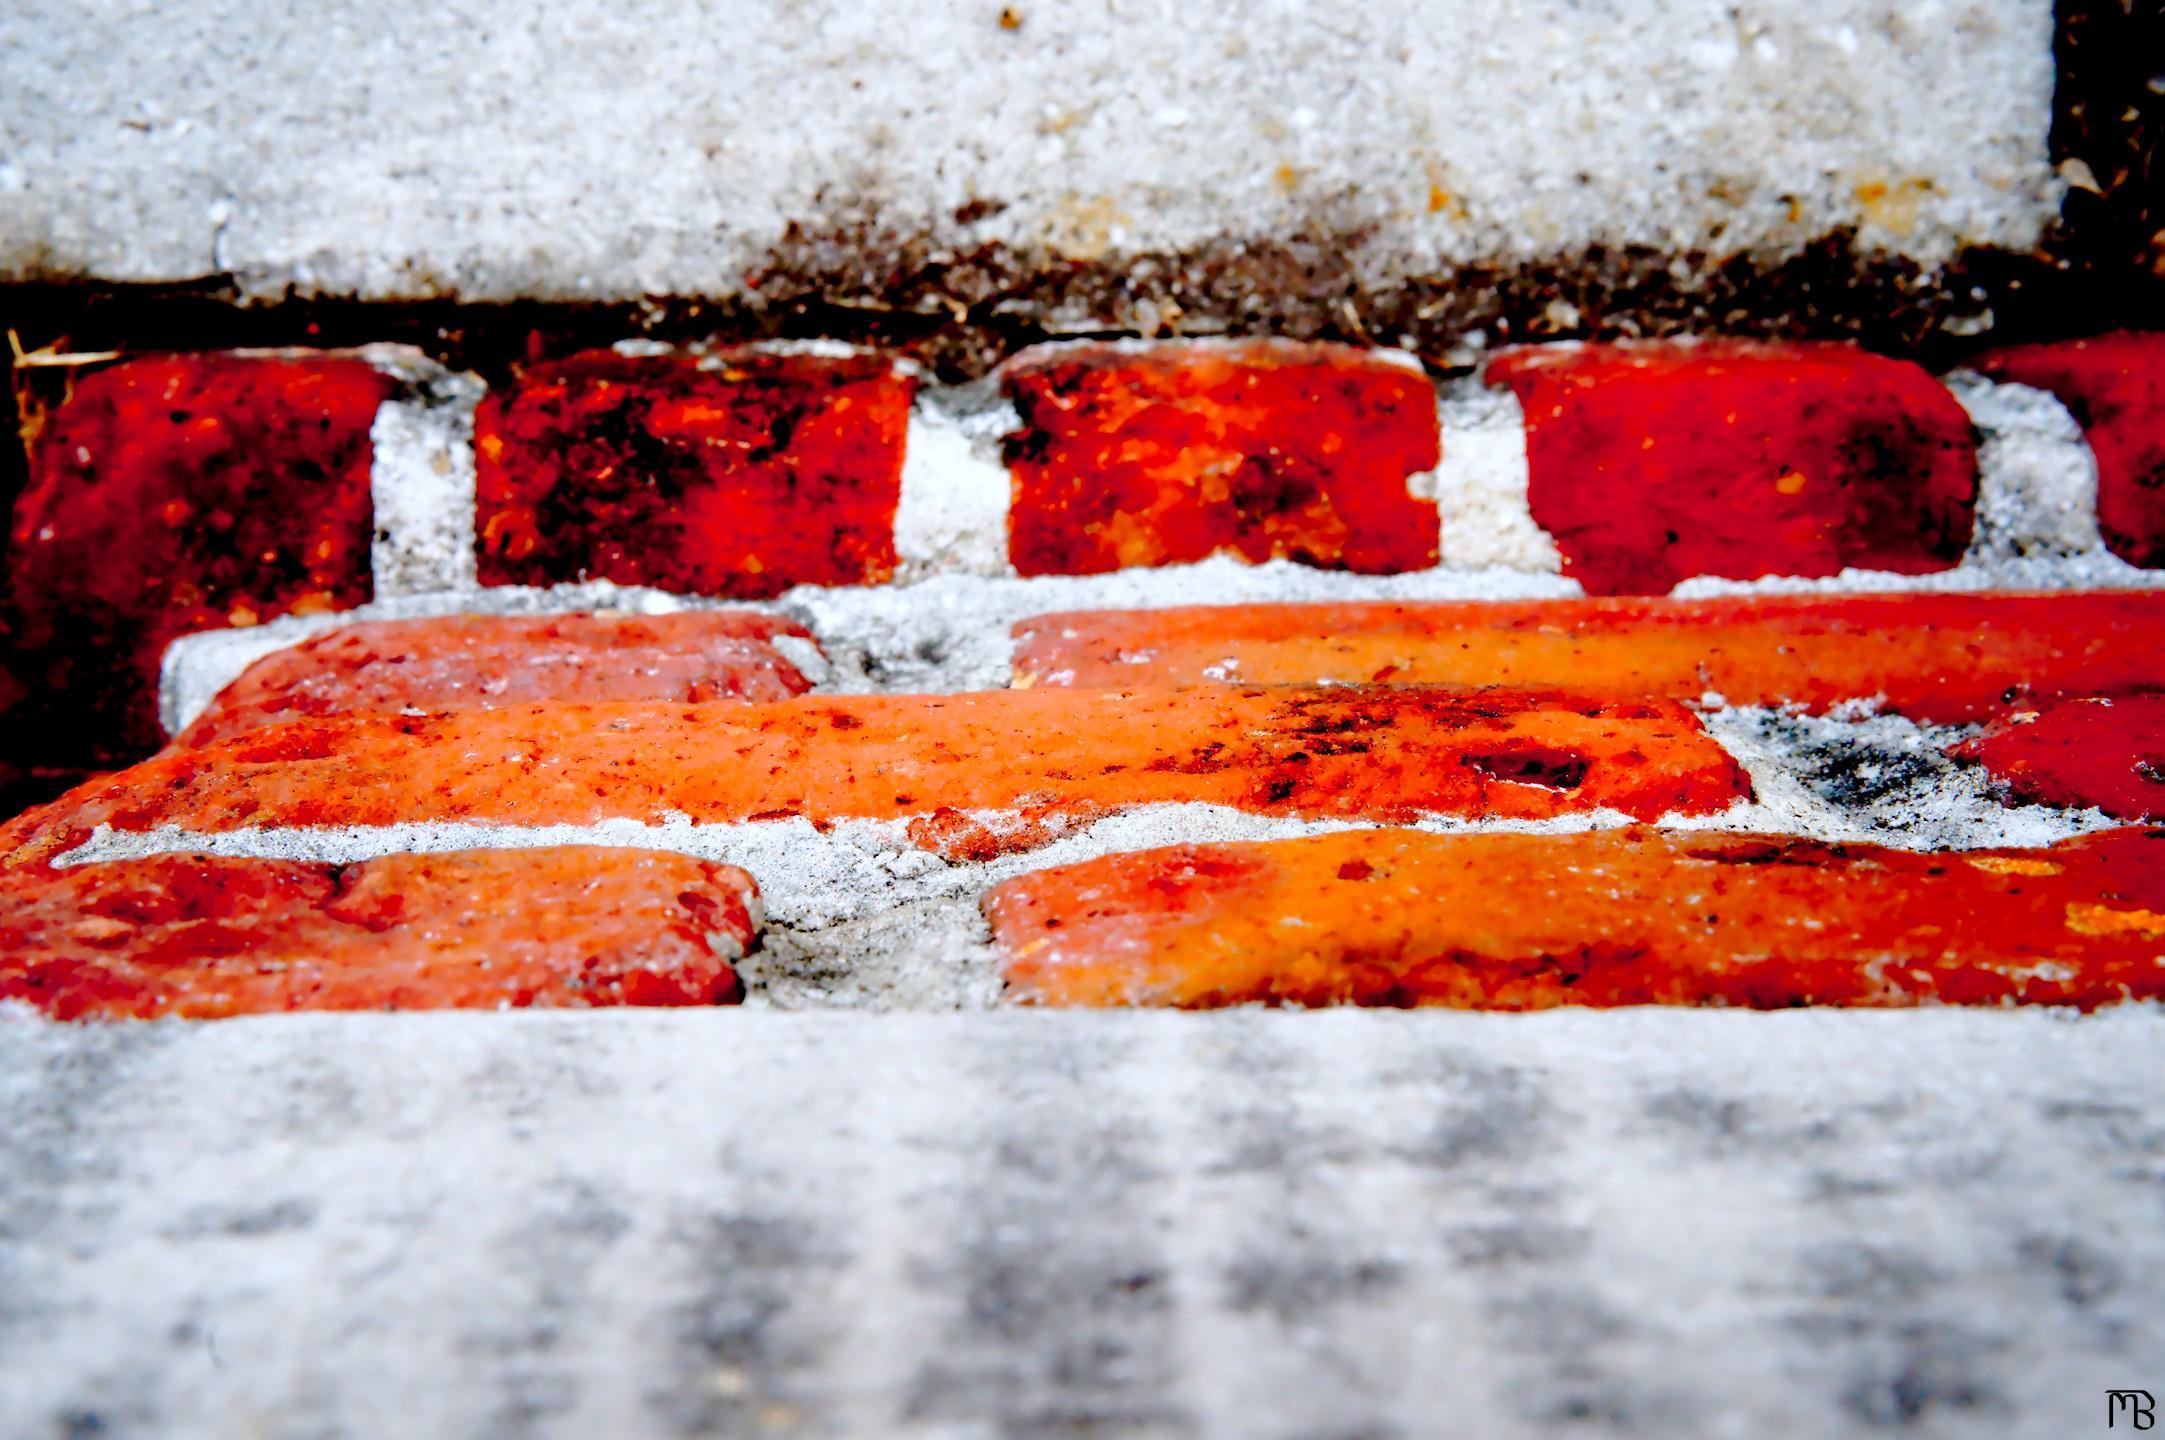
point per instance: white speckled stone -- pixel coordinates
(492, 149)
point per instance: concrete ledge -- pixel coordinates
(1254, 1224)
(611, 152)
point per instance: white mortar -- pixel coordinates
(955, 487)
(1480, 488)
(422, 482)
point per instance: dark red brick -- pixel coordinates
(737, 473)
(2115, 387)
(1631, 917)
(1653, 463)
(1171, 453)
(205, 936)
(473, 662)
(176, 494)
(2106, 751)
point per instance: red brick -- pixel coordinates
(1945, 658)
(468, 662)
(1046, 758)
(2102, 751)
(1633, 917)
(739, 473)
(1653, 463)
(205, 936)
(2115, 387)
(1176, 452)
(176, 494)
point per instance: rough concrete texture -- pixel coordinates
(497, 150)
(1247, 1224)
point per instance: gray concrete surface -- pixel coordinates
(493, 149)
(1245, 1224)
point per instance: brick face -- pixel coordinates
(1049, 756)
(736, 474)
(175, 494)
(2115, 387)
(205, 936)
(172, 494)
(1521, 922)
(2101, 751)
(468, 662)
(1942, 658)
(1650, 464)
(1175, 452)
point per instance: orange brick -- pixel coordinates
(1052, 756)
(1942, 658)
(1171, 453)
(472, 662)
(1631, 917)
(2102, 751)
(205, 936)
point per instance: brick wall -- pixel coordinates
(1823, 610)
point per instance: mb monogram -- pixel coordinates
(2137, 1405)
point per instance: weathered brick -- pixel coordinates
(175, 494)
(1042, 758)
(1944, 658)
(1653, 463)
(738, 473)
(1633, 917)
(467, 662)
(2103, 751)
(2115, 387)
(205, 936)
(1171, 453)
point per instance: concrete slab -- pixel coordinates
(496, 150)
(1242, 1224)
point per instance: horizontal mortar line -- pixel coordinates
(993, 602)
(733, 841)
(748, 842)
